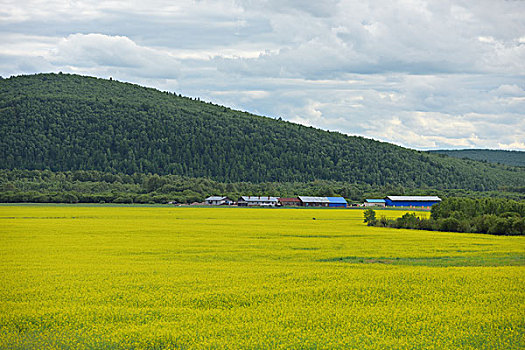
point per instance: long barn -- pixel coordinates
(262, 201)
(307, 201)
(411, 201)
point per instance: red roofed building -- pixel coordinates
(290, 202)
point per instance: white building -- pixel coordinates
(376, 202)
(307, 201)
(218, 200)
(263, 201)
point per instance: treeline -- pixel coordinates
(82, 186)
(488, 215)
(515, 158)
(63, 122)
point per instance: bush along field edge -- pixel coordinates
(487, 215)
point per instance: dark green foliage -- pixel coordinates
(470, 207)
(450, 224)
(68, 123)
(515, 158)
(370, 217)
(90, 186)
(487, 215)
(408, 220)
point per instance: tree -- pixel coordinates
(370, 217)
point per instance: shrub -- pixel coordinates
(384, 222)
(426, 224)
(370, 217)
(449, 224)
(408, 220)
(518, 226)
(69, 198)
(123, 199)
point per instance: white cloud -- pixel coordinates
(15, 44)
(113, 52)
(509, 90)
(518, 145)
(100, 50)
(486, 39)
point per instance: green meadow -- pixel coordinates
(101, 277)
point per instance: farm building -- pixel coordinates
(411, 201)
(263, 201)
(374, 203)
(291, 201)
(314, 201)
(337, 202)
(218, 200)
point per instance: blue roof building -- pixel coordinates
(411, 201)
(337, 202)
(374, 202)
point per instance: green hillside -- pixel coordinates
(515, 158)
(67, 122)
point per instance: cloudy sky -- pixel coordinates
(421, 74)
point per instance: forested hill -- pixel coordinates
(516, 158)
(67, 122)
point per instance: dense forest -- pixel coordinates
(62, 122)
(478, 215)
(82, 186)
(515, 158)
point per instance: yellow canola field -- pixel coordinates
(99, 277)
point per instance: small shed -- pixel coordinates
(314, 201)
(218, 200)
(411, 201)
(337, 202)
(289, 201)
(262, 201)
(374, 202)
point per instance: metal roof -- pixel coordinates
(306, 199)
(375, 200)
(259, 199)
(337, 200)
(415, 198)
(216, 198)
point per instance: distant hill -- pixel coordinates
(516, 158)
(65, 122)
